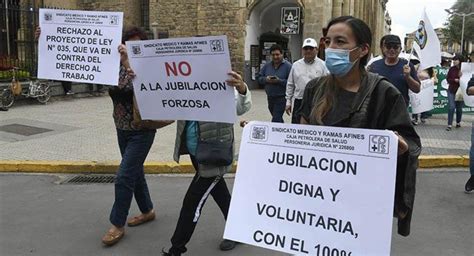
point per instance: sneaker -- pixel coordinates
(423, 120)
(458, 125)
(414, 122)
(469, 185)
(448, 128)
(69, 93)
(163, 253)
(227, 245)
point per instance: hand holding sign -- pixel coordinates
(184, 79)
(79, 46)
(237, 82)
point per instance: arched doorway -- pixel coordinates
(264, 27)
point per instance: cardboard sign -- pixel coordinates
(314, 190)
(183, 79)
(79, 46)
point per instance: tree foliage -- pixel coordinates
(454, 24)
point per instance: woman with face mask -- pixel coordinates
(353, 97)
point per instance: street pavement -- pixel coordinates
(41, 216)
(82, 129)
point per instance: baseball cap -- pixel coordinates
(392, 39)
(310, 42)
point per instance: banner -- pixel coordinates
(422, 101)
(467, 70)
(314, 190)
(183, 79)
(427, 44)
(440, 101)
(79, 46)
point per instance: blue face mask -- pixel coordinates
(338, 62)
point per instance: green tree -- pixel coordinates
(453, 28)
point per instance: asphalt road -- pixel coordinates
(38, 216)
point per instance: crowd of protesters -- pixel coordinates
(340, 91)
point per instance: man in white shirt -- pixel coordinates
(302, 71)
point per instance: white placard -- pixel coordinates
(183, 79)
(467, 69)
(422, 101)
(79, 46)
(310, 190)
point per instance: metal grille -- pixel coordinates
(24, 130)
(88, 179)
(18, 48)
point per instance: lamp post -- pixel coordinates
(463, 15)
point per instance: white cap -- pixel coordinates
(309, 42)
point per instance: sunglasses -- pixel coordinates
(392, 46)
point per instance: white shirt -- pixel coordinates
(301, 73)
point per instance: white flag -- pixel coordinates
(427, 44)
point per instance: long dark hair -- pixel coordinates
(363, 36)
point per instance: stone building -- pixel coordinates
(251, 25)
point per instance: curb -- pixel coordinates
(85, 167)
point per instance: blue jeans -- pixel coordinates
(276, 106)
(454, 105)
(471, 152)
(130, 181)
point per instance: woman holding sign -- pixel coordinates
(135, 143)
(352, 97)
(210, 146)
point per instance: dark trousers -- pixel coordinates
(294, 113)
(453, 106)
(194, 200)
(100, 87)
(276, 106)
(67, 86)
(130, 181)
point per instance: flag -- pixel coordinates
(427, 44)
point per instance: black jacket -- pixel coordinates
(378, 105)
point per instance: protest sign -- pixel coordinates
(467, 70)
(183, 79)
(314, 190)
(440, 102)
(79, 46)
(422, 101)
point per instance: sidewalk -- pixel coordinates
(80, 132)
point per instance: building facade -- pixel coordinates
(251, 25)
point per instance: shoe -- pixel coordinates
(448, 128)
(458, 125)
(163, 253)
(142, 218)
(69, 93)
(469, 187)
(227, 245)
(414, 122)
(113, 236)
(423, 120)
